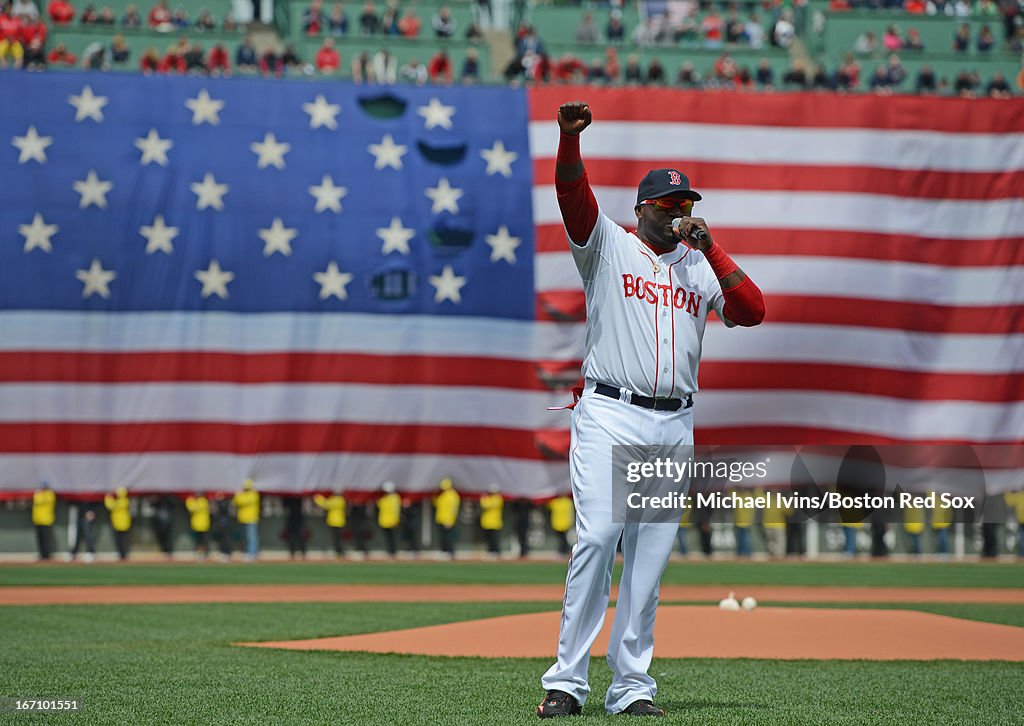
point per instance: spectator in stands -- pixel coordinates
(925, 83)
(119, 51)
(180, 18)
(25, 9)
(131, 18)
(160, 17)
(998, 87)
(1017, 38)
(195, 61)
(389, 23)
(986, 40)
(711, 29)
(754, 31)
(784, 32)
(44, 506)
(724, 70)
(913, 40)
(290, 57)
(217, 62)
(229, 25)
(245, 55)
(687, 76)
(118, 505)
(440, 68)
(985, 9)
(32, 30)
(443, 23)
(410, 24)
(655, 73)
(94, 57)
(880, 82)
(89, 15)
(61, 56)
(820, 80)
(634, 74)
(569, 69)
(150, 62)
(174, 59)
(615, 31)
(611, 64)
(891, 40)
(961, 9)
(764, 76)
(61, 12)
(962, 38)
(10, 40)
(107, 17)
(85, 537)
(247, 507)
(385, 67)
(848, 74)
(915, 7)
(337, 20)
(595, 71)
(735, 29)
(473, 33)
(795, 77)
(362, 68)
(528, 42)
(446, 515)
(866, 43)
(586, 31)
(369, 23)
(312, 18)
(897, 73)
(198, 507)
(271, 63)
(414, 72)
(327, 59)
(205, 21)
(646, 33)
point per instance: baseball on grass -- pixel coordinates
(749, 603)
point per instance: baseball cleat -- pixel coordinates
(558, 703)
(642, 708)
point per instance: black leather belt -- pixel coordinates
(655, 404)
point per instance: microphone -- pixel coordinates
(696, 234)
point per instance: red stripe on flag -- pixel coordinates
(706, 176)
(190, 437)
(856, 245)
(794, 110)
(869, 381)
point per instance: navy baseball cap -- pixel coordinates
(662, 182)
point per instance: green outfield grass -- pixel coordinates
(175, 664)
(877, 574)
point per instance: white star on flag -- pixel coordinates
(270, 151)
(215, 280)
(209, 193)
(322, 113)
(158, 236)
(447, 285)
(396, 237)
(93, 191)
(444, 197)
(277, 238)
(153, 148)
(436, 113)
(332, 282)
(37, 234)
(88, 105)
(327, 195)
(204, 108)
(387, 153)
(499, 160)
(32, 146)
(96, 280)
(503, 245)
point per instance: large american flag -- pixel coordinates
(318, 284)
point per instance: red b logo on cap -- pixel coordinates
(674, 179)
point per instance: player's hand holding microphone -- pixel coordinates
(693, 231)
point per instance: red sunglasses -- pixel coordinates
(667, 204)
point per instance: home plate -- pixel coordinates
(707, 632)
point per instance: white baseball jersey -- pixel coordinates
(645, 313)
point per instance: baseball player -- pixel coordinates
(648, 299)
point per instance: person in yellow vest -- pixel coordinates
(198, 507)
(942, 520)
(684, 530)
(247, 508)
(446, 515)
(773, 520)
(743, 522)
(389, 516)
(44, 506)
(1015, 501)
(492, 506)
(562, 516)
(913, 525)
(119, 506)
(334, 506)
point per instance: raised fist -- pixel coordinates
(573, 117)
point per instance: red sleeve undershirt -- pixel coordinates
(575, 198)
(744, 303)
